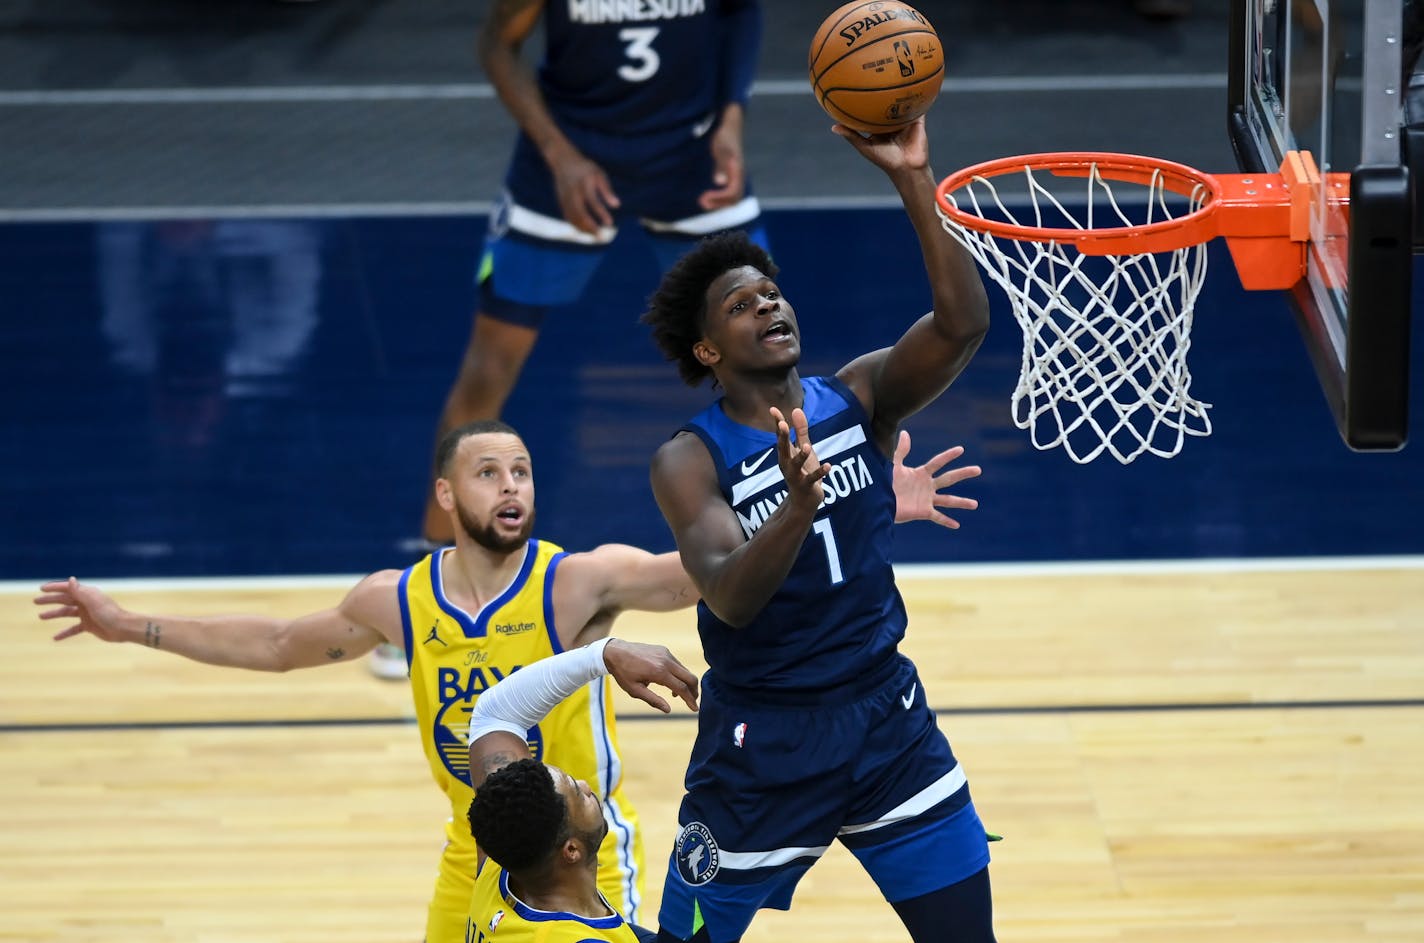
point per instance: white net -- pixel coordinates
(1105, 337)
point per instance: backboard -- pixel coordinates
(1328, 77)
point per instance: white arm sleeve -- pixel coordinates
(524, 698)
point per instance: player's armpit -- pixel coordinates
(591, 588)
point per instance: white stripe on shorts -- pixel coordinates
(936, 792)
(522, 219)
(728, 217)
(746, 860)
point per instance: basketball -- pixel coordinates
(876, 65)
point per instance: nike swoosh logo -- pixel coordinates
(748, 469)
(705, 125)
(909, 699)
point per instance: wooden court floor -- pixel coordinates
(1173, 755)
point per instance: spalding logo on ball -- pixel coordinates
(876, 66)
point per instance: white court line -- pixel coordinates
(275, 94)
(908, 571)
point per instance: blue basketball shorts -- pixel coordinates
(534, 259)
(769, 788)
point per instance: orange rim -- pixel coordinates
(1193, 228)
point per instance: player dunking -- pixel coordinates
(813, 727)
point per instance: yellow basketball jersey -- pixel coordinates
(455, 655)
(497, 916)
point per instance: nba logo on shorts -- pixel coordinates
(739, 734)
(696, 854)
(902, 53)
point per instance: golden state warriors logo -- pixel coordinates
(451, 733)
(696, 854)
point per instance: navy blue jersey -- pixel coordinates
(838, 616)
(638, 67)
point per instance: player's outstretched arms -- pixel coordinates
(898, 381)
(919, 491)
(592, 588)
(368, 615)
(503, 715)
(736, 576)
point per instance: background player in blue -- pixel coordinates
(813, 727)
(635, 115)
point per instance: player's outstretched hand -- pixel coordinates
(586, 196)
(70, 599)
(800, 467)
(906, 149)
(919, 490)
(635, 665)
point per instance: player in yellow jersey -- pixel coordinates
(539, 828)
(467, 616)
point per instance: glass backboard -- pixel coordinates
(1328, 77)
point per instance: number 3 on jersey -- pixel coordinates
(833, 556)
(643, 58)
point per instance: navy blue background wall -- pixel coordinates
(259, 396)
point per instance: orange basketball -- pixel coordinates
(876, 65)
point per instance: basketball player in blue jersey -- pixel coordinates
(813, 726)
(634, 115)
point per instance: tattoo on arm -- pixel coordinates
(497, 761)
(335, 653)
(152, 635)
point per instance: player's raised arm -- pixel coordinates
(585, 193)
(368, 615)
(503, 715)
(898, 381)
(736, 576)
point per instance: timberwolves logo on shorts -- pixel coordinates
(499, 216)
(696, 853)
(452, 726)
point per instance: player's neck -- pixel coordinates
(473, 575)
(570, 893)
(748, 399)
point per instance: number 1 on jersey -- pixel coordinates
(833, 557)
(644, 58)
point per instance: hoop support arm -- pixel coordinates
(1265, 219)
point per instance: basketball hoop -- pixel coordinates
(1104, 292)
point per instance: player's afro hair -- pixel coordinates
(518, 818)
(677, 311)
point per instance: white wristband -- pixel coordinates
(525, 697)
